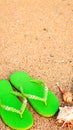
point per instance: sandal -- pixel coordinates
(12, 111)
(42, 100)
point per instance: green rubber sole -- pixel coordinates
(22, 79)
(12, 119)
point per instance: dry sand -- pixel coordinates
(36, 36)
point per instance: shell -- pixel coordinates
(67, 96)
(65, 116)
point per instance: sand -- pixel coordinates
(36, 36)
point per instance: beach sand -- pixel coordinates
(36, 36)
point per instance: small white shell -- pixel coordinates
(65, 115)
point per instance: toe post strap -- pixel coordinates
(43, 84)
(29, 96)
(12, 109)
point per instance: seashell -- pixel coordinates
(65, 116)
(67, 96)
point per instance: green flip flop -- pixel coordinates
(42, 100)
(13, 112)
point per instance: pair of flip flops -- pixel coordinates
(14, 112)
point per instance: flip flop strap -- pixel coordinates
(44, 99)
(12, 109)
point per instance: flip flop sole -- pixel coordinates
(22, 79)
(10, 118)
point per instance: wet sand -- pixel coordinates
(36, 36)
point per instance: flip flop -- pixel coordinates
(42, 100)
(12, 111)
